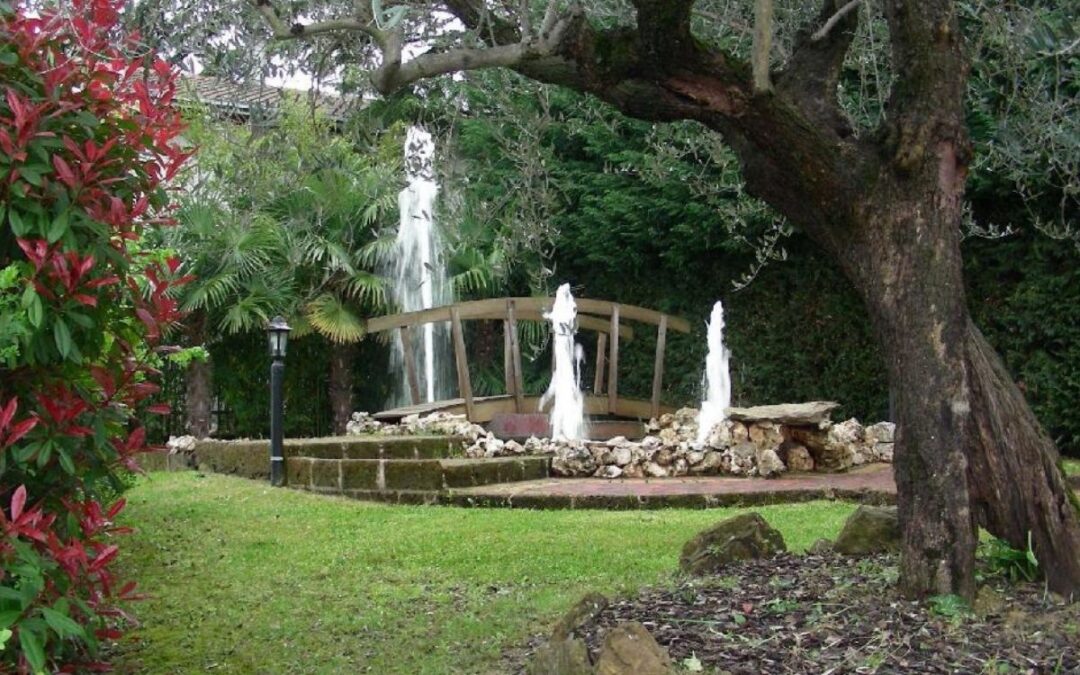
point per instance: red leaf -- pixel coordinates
(8, 412)
(67, 176)
(18, 501)
(103, 558)
(20, 430)
(159, 409)
(116, 508)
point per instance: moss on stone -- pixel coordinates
(326, 473)
(298, 472)
(359, 474)
(413, 475)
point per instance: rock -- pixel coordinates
(633, 471)
(561, 657)
(769, 464)
(583, 611)
(622, 455)
(871, 529)
(712, 462)
(738, 431)
(720, 436)
(666, 420)
(679, 467)
(883, 452)
(743, 537)
(765, 435)
(664, 457)
(513, 448)
(180, 444)
(629, 649)
(829, 452)
(573, 460)
(687, 417)
(882, 432)
(669, 437)
(821, 547)
(798, 414)
(694, 457)
(609, 471)
(796, 457)
(655, 470)
(652, 443)
(534, 446)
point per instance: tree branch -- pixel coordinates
(284, 32)
(763, 29)
(833, 20)
(813, 71)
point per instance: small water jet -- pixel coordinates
(419, 271)
(717, 377)
(564, 391)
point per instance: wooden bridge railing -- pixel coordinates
(610, 331)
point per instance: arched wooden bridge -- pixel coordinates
(607, 319)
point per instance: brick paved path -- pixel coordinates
(872, 483)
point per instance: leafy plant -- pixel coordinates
(1015, 565)
(87, 140)
(949, 606)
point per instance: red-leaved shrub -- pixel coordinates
(88, 137)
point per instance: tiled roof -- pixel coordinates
(246, 100)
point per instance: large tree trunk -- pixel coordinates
(907, 266)
(198, 398)
(1017, 487)
(341, 381)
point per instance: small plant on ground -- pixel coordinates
(1005, 561)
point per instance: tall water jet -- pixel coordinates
(419, 272)
(564, 391)
(717, 377)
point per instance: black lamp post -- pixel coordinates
(278, 332)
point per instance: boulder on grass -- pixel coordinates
(583, 611)
(629, 649)
(561, 657)
(743, 537)
(871, 529)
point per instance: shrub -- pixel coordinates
(87, 139)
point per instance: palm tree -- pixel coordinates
(239, 282)
(333, 221)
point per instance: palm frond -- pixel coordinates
(333, 319)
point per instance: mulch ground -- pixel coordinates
(832, 614)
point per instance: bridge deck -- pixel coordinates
(485, 408)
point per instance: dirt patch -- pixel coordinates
(828, 613)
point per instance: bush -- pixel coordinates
(87, 138)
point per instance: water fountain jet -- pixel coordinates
(419, 272)
(564, 391)
(717, 377)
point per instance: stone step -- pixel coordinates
(350, 476)
(376, 447)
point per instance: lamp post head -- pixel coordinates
(278, 332)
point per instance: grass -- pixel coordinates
(1072, 467)
(244, 578)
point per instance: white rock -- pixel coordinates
(608, 472)
(655, 470)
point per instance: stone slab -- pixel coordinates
(811, 413)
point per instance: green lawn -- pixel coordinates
(244, 578)
(1072, 467)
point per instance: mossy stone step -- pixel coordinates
(375, 447)
(414, 475)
